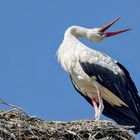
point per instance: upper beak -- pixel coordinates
(105, 27)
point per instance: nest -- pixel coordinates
(15, 124)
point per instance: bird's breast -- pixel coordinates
(85, 85)
(70, 62)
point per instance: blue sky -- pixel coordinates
(30, 34)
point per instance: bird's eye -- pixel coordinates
(100, 33)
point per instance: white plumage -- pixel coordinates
(100, 79)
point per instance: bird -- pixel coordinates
(105, 83)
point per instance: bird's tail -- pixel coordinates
(121, 112)
(122, 115)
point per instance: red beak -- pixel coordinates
(105, 27)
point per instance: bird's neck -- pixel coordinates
(76, 31)
(66, 51)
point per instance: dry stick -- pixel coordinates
(16, 125)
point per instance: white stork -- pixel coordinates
(102, 81)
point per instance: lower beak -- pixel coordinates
(105, 27)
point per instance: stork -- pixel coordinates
(102, 81)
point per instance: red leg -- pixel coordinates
(101, 106)
(95, 107)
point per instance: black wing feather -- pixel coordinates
(123, 87)
(132, 88)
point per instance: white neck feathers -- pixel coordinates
(70, 46)
(76, 31)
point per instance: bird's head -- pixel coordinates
(98, 34)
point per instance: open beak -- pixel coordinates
(105, 27)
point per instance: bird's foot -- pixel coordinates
(97, 118)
